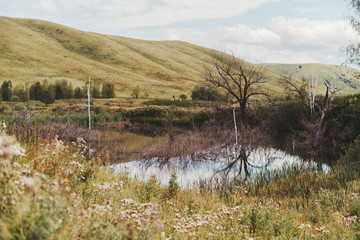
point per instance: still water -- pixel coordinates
(190, 170)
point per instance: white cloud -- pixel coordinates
(48, 6)
(284, 40)
(119, 14)
(171, 11)
(305, 34)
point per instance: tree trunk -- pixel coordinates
(319, 128)
(243, 118)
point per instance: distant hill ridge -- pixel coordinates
(346, 78)
(34, 50)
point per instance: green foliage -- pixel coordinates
(59, 93)
(22, 93)
(253, 219)
(164, 102)
(95, 88)
(183, 96)
(283, 119)
(108, 90)
(47, 97)
(355, 208)
(348, 166)
(6, 90)
(173, 188)
(206, 93)
(79, 93)
(35, 91)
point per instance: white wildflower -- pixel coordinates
(9, 147)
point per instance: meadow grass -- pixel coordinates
(55, 191)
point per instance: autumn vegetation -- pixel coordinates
(56, 175)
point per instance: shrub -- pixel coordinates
(47, 97)
(14, 99)
(79, 93)
(135, 93)
(6, 90)
(22, 93)
(108, 90)
(206, 93)
(35, 91)
(183, 97)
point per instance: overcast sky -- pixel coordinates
(283, 31)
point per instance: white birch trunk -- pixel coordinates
(312, 91)
(236, 136)
(88, 92)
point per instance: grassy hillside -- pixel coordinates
(35, 50)
(347, 80)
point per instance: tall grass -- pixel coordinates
(55, 192)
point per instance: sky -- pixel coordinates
(262, 31)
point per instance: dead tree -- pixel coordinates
(325, 109)
(314, 127)
(242, 80)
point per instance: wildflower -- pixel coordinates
(9, 147)
(349, 220)
(160, 225)
(322, 229)
(66, 180)
(29, 184)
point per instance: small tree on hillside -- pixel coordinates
(95, 88)
(206, 93)
(47, 97)
(35, 91)
(240, 79)
(108, 90)
(22, 93)
(136, 93)
(183, 97)
(59, 93)
(79, 93)
(6, 90)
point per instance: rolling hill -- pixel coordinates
(35, 50)
(347, 78)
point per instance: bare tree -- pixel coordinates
(319, 110)
(242, 80)
(325, 109)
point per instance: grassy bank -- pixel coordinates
(54, 192)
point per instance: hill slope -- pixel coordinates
(347, 80)
(34, 50)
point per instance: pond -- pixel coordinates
(212, 164)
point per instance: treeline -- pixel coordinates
(48, 92)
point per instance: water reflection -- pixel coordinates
(232, 161)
